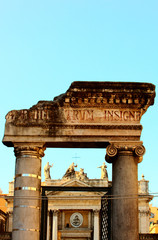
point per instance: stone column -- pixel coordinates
(96, 225)
(48, 224)
(89, 220)
(55, 225)
(27, 187)
(124, 161)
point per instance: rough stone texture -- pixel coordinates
(89, 114)
(27, 188)
(125, 202)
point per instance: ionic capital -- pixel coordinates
(29, 150)
(114, 149)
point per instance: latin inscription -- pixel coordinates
(79, 115)
(117, 115)
(102, 115)
(31, 115)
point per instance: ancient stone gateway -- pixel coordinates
(89, 115)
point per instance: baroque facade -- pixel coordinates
(80, 214)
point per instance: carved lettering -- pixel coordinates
(116, 115)
(75, 115)
(79, 115)
(24, 114)
(82, 115)
(11, 115)
(102, 115)
(35, 115)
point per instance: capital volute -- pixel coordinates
(114, 149)
(139, 152)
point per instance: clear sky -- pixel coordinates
(46, 45)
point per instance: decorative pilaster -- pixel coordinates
(124, 159)
(48, 224)
(55, 225)
(27, 187)
(9, 221)
(96, 225)
(144, 215)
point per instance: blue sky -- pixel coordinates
(46, 45)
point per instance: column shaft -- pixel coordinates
(96, 225)
(48, 230)
(27, 187)
(125, 193)
(55, 225)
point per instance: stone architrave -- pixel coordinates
(88, 115)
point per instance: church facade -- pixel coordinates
(76, 207)
(77, 214)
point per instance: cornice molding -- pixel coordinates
(91, 95)
(88, 111)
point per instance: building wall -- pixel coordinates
(153, 219)
(143, 205)
(92, 203)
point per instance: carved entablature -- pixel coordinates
(87, 112)
(90, 102)
(110, 95)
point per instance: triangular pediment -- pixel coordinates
(75, 183)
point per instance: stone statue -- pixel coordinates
(70, 172)
(72, 167)
(47, 170)
(104, 173)
(81, 175)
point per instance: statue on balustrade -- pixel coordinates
(104, 174)
(47, 171)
